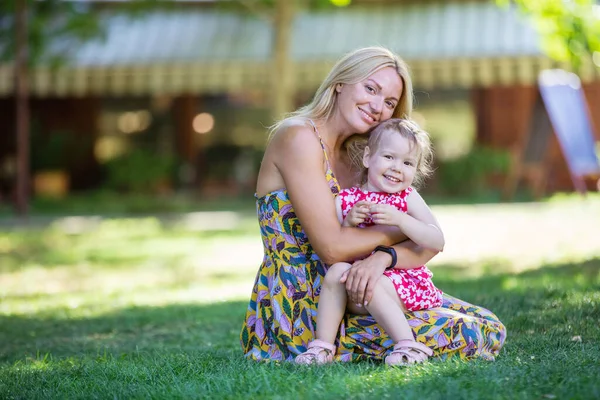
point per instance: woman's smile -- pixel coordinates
(367, 116)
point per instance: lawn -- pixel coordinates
(147, 307)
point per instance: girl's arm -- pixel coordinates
(418, 224)
(298, 156)
(357, 214)
(362, 278)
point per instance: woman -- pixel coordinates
(304, 167)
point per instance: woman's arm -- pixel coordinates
(362, 278)
(298, 157)
(411, 255)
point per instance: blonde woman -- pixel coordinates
(305, 165)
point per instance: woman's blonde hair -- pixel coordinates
(408, 129)
(354, 67)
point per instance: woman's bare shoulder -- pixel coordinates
(296, 134)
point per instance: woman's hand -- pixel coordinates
(357, 214)
(362, 278)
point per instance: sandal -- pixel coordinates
(407, 352)
(319, 352)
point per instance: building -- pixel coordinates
(196, 80)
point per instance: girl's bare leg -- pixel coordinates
(388, 310)
(332, 303)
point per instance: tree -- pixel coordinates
(280, 14)
(57, 22)
(570, 29)
(27, 30)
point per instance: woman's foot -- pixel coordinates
(407, 352)
(319, 352)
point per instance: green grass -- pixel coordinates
(148, 308)
(111, 203)
(103, 202)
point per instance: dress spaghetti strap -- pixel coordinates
(322, 144)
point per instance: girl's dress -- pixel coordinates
(280, 319)
(414, 286)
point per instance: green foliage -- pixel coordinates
(56, 149)
(570, 30)
(56, 27)
(221, 160)
(469, 174)
(139, 171)
(50, 20)
(49, 152)
(266, 8)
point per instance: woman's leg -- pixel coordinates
(332, 303)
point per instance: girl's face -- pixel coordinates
(392, 165)
(364, 104)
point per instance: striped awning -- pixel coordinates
(212, 51)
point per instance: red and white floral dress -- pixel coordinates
(414, 286)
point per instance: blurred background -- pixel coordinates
(171, 99)
(131, 133)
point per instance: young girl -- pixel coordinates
(397, 155)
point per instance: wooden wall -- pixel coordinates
(77, 116)
(503, 119)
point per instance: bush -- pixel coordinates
(470, 174)
(57, 150)
(139, 171)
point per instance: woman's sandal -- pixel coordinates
(319, 352)
(407, 352)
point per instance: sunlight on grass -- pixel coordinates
(517, 237)
(76, 261)
(86, 268)
(152, 307)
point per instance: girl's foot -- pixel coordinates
(319, 352)
(408, 352)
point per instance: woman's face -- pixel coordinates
(364, 104)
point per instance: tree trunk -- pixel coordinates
(22, 107)
(282, 76)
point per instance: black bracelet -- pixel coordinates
(391, 251)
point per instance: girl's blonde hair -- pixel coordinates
(408, 129)
(354, 67)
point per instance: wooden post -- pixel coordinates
(185, 111)
(529, 156)
(187, 142)
(282, 78)
(22, 107)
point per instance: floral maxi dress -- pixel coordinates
(281, 316)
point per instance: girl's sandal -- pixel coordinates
(319, 352)
(407, 352)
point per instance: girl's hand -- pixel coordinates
(362, 277)
(357, 214)
(385, 214)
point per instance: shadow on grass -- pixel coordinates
(187, 350)
(174, 328)
(550, 299)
